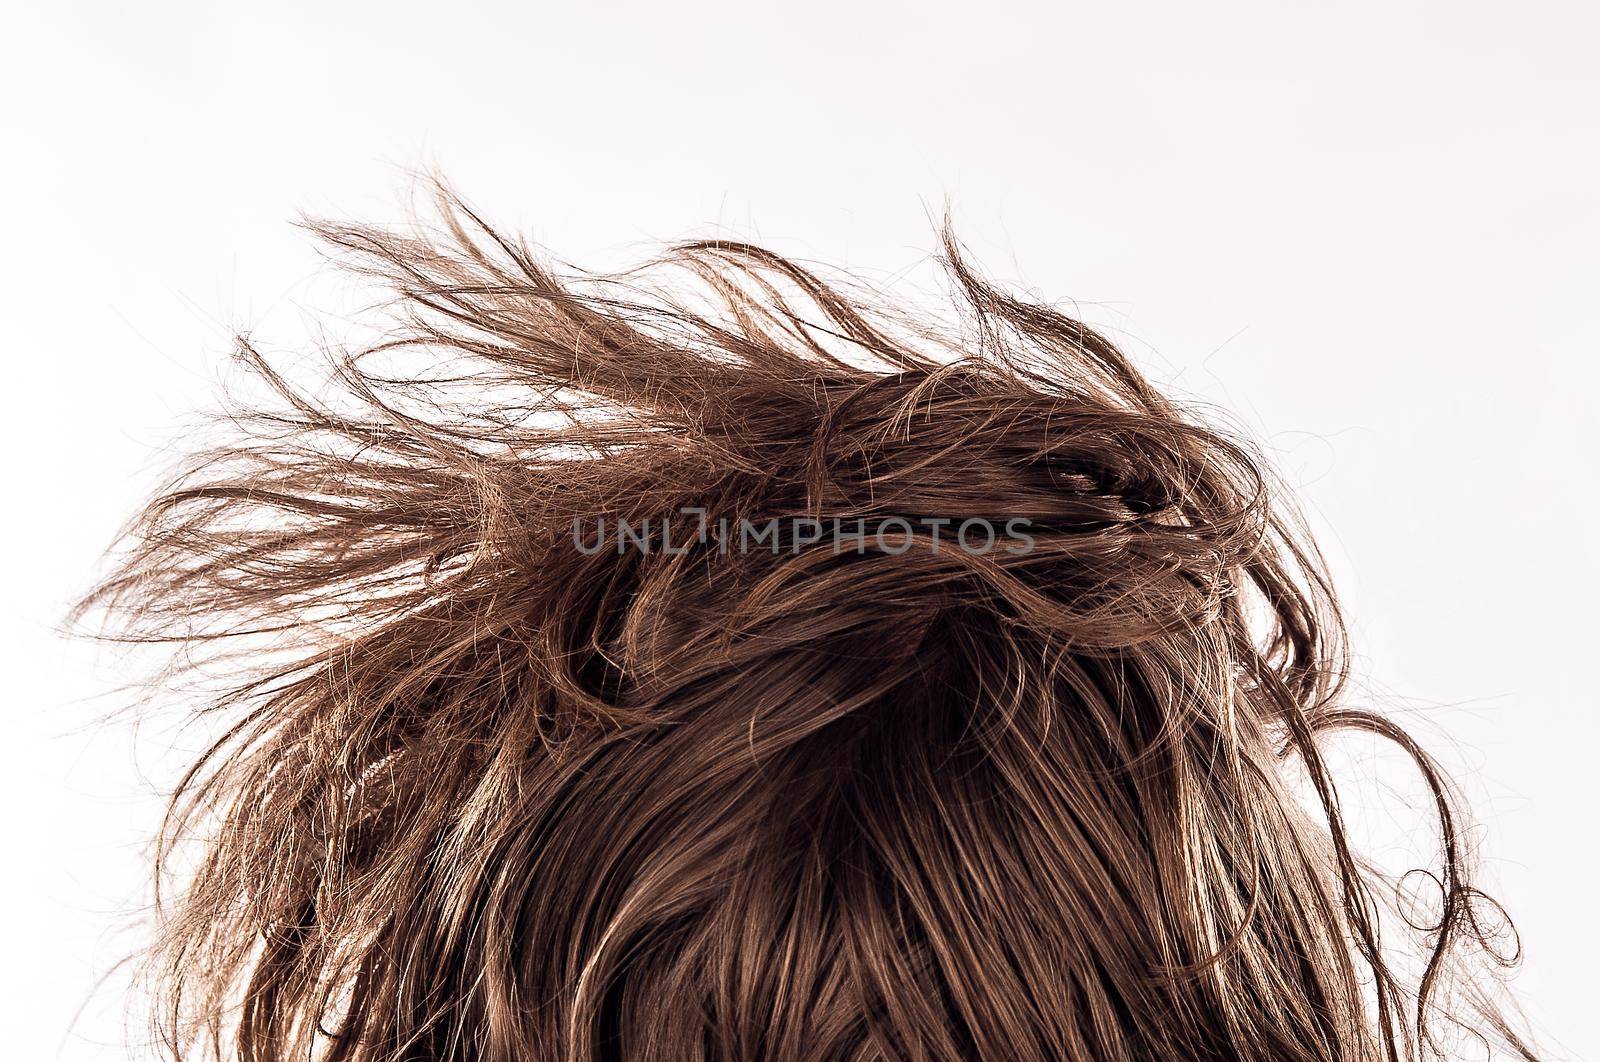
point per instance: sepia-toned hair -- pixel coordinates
(715, 661)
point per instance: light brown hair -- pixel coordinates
(513, 797)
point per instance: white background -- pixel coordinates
(1367, 230)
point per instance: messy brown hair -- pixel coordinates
(490, 788)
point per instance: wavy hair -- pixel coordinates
(493, 789)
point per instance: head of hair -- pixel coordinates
(499, 782)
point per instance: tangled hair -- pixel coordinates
(491, 789)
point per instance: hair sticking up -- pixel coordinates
(492, 793)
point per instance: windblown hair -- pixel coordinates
(492, 791)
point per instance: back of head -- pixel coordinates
(702, 663)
